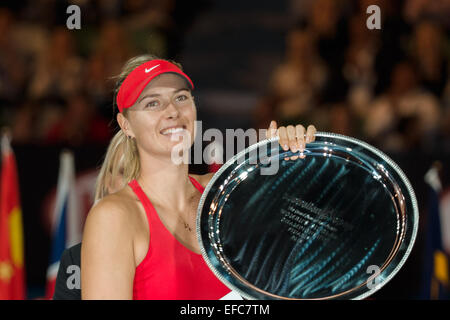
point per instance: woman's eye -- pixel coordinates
(152, 104)
(182, 97)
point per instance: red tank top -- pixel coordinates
(170, 271)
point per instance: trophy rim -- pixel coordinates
(365, 145)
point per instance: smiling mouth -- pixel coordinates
(173, 130)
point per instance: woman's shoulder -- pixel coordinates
(114, 207)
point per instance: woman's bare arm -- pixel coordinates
(107, 255)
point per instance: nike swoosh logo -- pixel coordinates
(148, 70)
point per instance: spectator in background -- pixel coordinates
(80, 124)
(328, 25)
(341, 120)
(445, 132)
(59, 70)
(394, 39)
(113, 46)
(405, 116)
(13, 70)
(359, 64)
(438, 10)
(98, 85)
(297, 82)
(150, 24)
(428, 54)
(300, 9)
(24, 126)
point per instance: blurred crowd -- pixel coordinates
(56, 84)
(390, 87)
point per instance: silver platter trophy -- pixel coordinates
(338, 223)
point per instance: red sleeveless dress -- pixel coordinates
(170, 271)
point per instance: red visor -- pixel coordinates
(136, 81)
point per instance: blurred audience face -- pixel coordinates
(113, 46)
(428, 39)
(324, 16)
(6, 19)
(340, 119)
(111, 34)
(61, 46)
(358, 32)
(403, 79)
(97, 69)
(300, 46)
(135, 5)
(79, 109)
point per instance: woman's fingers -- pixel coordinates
(272, 131)
(293, 138)
(292, 141)
(311, 134)
(283, 138)
(300, 132)
(300, 135)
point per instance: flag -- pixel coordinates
(435, 283)
(12, 273)
(445, 219)
(67, 220)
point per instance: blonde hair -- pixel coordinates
(122, 156)
(111, 166)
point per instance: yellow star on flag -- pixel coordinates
(6, 271)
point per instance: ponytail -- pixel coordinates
(112, 166)
(114, 174)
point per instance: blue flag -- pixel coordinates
(435, 282)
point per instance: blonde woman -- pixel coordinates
(140, 242)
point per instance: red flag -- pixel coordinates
(12, 274)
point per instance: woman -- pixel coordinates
(140, 242)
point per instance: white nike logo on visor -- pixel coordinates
(148, 70)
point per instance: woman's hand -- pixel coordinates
(293, 138)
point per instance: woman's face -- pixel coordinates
(163, 116)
